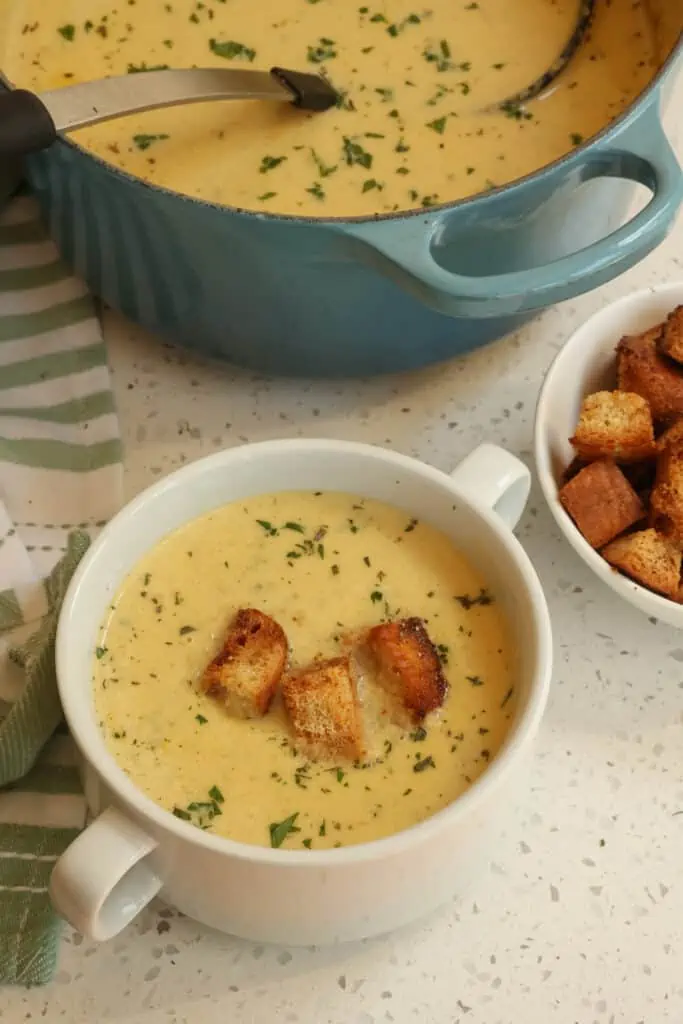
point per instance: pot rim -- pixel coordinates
(91, 743)
(568, 160)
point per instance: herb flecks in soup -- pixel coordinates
(326, 567)
(413, 127)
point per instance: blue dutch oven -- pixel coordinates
(289, 295)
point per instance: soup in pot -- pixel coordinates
(328, 570)
(414, 127)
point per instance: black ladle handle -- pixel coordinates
(26, 125)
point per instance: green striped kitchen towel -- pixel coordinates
(60, 480)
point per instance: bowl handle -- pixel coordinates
(493, 478)
(102, 880)
(643, 155)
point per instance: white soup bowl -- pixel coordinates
(135, 849)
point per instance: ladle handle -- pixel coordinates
(29, 122)
(26, 124)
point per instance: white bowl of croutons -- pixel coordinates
(609, 447)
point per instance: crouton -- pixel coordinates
(648, 558)
(246, 671)
(671, 341)
(601, 502)
(672, 436)
(642, 370)
(323, 706)
(666, 500)
(410, 667)
(614, 424)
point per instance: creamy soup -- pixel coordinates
(414, 127)
(324, 566)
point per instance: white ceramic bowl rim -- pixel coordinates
(561, 368)
(89, 738)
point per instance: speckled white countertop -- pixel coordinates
(579, 919)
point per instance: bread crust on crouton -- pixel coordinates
(672, 436)
(324, 709)
(245, 673)
(666, 499)
(671, 341)
(614, 424)
(601, 502)
(649, 558)
(410, 667)
(642, 370)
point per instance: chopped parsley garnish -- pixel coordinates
(397, 27)
(323, 829)
(316, 190)
(269, 162)
(424, 763)
(136, 69)
(67, 32)
(200, 813)
(440, 56)
(294, 526)
(483, 598)
(438, 125)
(376, 596)
(324, 170)
(268, 527)
(184, 630)
(355, 154)
(201, 719)
(279, 830)
(323, 51)
(145, 141)
(100, 652)
(231, 50)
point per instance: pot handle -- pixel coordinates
(492, 478)
(102, 880)
(644, 157)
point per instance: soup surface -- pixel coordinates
(414, 128)
(339, 564)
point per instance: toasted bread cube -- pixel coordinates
(671, 437)
(601, 502)
(641, 369)
(324, 709)
(245, 673)
(666, 500)
(410, 667)
(614, 424)
(671, 341)
(649, 558)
